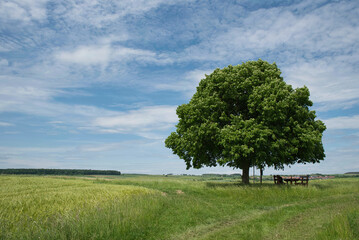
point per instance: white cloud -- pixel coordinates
(109, 39)
(56, 122)
(11, 132)
(23, 10)
(36, 101)
(33, 100)
(332, 81)
(3, 62)
(4, 48)
(103, 12)
(188, 84)
(342, 122)
(123, 53)
(114, 146)
(86, 55)
(104, 55)
(6, 124)
(143, 120)
(11, 10)
(281, 29)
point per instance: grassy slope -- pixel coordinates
(156, 207)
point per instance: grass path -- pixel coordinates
(290, 221)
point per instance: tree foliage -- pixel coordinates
(246, 115)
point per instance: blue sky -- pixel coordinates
(95, 84)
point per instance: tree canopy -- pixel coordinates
(246, 115)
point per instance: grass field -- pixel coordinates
(174, 207)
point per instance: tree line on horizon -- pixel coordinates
(44, 171)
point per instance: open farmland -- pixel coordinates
(174, 207)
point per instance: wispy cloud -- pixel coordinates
(103, 12)
(86, 55)
(143, 121)
(103, 55)
(6, 124)
(332, 81)
(343, 122)
(23, 11)
(3, 62)
(283, 30)
(187, 84)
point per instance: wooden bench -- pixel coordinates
(278, 180)
(302, 180)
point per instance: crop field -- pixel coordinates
(175, 207)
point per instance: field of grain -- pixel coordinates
(174, 207)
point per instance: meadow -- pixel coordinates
(175, 207)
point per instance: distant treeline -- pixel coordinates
(43, 171)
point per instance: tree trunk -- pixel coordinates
(245, 174)
(261, 175)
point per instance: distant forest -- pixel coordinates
(43, 171)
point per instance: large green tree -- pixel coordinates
(246, 115)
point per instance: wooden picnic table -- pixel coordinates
(291, 180)
(301, 180)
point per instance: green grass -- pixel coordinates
(175, 207)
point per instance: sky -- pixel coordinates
(95, 84)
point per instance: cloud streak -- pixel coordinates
(23, 11)
(344, 122)
(6, 124)
(106, 54)
(143, 121)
